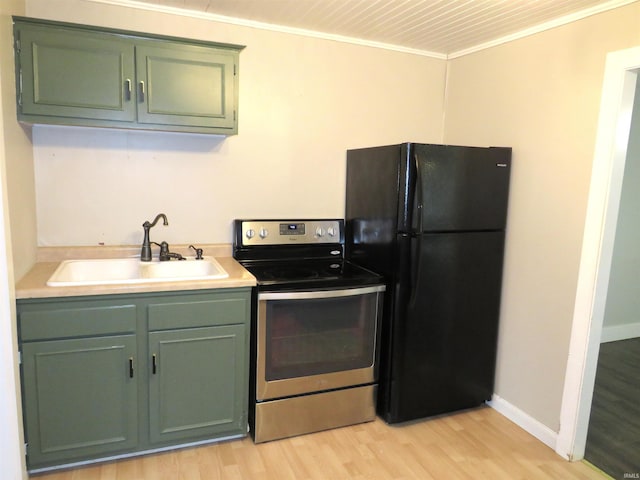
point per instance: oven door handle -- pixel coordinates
(347, 292)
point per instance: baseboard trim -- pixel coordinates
(620, 332)
(112, 458)
(524, 421)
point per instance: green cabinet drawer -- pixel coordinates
(199, 310)
(76, 320)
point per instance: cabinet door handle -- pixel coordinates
(130, 367)
(127, 91)
(141, 84)
(154, 365)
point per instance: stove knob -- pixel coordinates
(331, 231)
(250, 233)
(264, 233)
(319, 232)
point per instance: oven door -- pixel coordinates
(316, 340)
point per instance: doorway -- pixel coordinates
(612, 440)
(618, 93)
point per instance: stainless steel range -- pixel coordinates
(315, 328)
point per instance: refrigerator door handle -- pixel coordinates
(415, 248)
(417, 211)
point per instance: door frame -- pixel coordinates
(618, 91)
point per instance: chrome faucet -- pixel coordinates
(145, 253)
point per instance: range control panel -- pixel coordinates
(289, 232)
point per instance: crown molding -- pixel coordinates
(558, 22)
(368, 43)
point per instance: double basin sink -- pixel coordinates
(132, 270)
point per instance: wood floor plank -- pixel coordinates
(613, 439)
(472, 445)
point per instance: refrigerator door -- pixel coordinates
(446, 323)
(457, 188)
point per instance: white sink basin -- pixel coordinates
(132, 270)
(184, 269)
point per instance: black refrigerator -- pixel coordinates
(431, 219)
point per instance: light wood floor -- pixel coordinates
(478, 444)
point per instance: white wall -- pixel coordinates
(541, 96)
(12, 151)
(19, 156)
(303, 102)
(622, 311)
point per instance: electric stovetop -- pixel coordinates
(298, 254)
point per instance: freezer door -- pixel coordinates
(459, 188)
(445, 326)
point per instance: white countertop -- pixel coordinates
(34, 283)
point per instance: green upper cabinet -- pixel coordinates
(76, 75)
(185, 85)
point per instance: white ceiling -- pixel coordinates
(431, 27)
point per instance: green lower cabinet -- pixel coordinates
(196, 386)
(111, 375)
(80, 398)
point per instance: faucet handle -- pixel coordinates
(164, 250)
(198, 252)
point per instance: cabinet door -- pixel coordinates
(75, 74)
(80, 398)
(185, 85)
(198, 384)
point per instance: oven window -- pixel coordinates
(315, 336)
